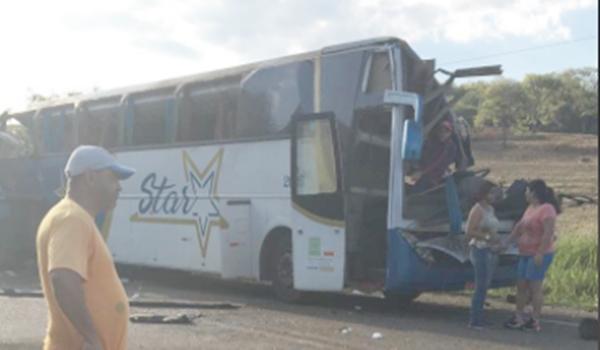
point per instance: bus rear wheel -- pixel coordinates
(283, 272)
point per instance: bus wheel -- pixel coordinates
(283, 272)
(399, 300)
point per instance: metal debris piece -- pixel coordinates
(376, 335)
(178, 319)
(182, 305)
(345, 330)
(21, 293)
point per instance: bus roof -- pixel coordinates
(174, 83)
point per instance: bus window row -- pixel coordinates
(257, 104)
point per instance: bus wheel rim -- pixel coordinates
(285, 270)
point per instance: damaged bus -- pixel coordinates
(289, 171)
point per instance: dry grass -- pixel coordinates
(567, 162)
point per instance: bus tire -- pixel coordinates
(400, 300)
(283, 272)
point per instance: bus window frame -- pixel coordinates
(367, 71)
(336, 208)
(84, 116)
(165, 97)
(184, 102)
(42, 120)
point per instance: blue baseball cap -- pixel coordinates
(92, 158)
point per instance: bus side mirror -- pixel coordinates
(412, 136)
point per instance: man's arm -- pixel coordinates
(68, 290)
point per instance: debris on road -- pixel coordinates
(376, 335)
(179, 319)
(182, 305)
(345, 330)
(21, 293)
(357, 307)
(36, 293)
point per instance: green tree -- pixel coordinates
(581, 86)
(563, 102)
(470, 97)
(546, 97)
(504, 105)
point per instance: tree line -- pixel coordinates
(565, 101)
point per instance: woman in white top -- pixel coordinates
(482, 227)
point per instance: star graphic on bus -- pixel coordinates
(200, 181)
(198, 209)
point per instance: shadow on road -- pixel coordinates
(440, 314)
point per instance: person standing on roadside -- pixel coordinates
(482, 232)
(535, 233)
(88, 306)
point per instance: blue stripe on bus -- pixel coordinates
(407, 273)
(453, 204)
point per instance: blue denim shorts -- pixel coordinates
(527, 269)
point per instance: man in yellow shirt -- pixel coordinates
(88, 306)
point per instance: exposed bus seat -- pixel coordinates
(430, 208)
(513, 204)
(427, 207)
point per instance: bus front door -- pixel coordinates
(318, 238)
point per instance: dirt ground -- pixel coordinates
(328, 321)
(567, 162)
(346, 321)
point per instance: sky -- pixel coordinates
(61, 46)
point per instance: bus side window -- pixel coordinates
(208, 113)
(270, 96)
(100, 124)
(315, 160)
(226, 120)
(197, 116)
(153, 116)
(379, 73)
(70, 132)
(56, 129)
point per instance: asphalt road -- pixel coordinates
(328, 321)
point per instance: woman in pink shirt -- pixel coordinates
(535, 233)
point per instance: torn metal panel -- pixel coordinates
(456, 247)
